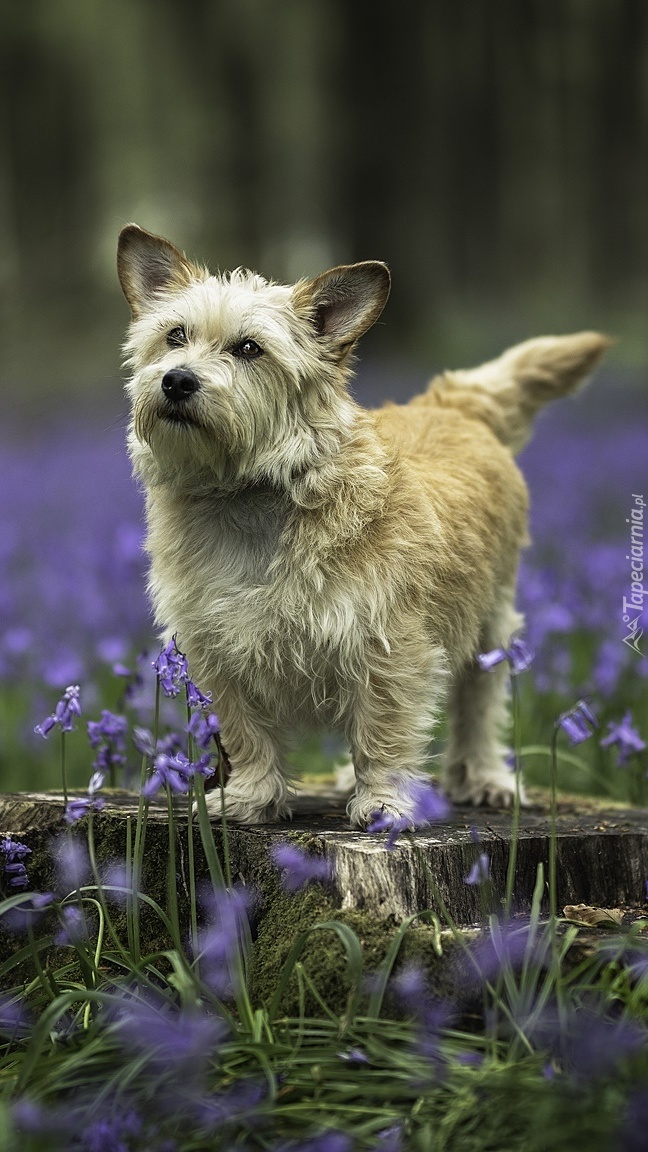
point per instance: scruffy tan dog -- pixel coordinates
(322, 564)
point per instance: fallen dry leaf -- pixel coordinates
(593, 917)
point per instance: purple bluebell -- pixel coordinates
(176, 772)
(108, 737)
(506, 948)
(67, 708)
(625, 738)
(518, 654)
(579, 722)
(427, 806)
(167, 745)
(586, 1043)
(76, 809)
(176, 1041)
(171, 668)
(330, 1141)
(298, 866)
(13, 870)
(116, 881)
(480, 871)
(204, 727)
(111, 1133)
(196, 698)
(227, 912)
(72, 862)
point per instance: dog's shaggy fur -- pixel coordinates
(322, 564)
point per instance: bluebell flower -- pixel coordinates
(518, 654)
(171, 668)
(108, 737)
(111, 1133)
(625, 738)
(227, 912)
(67, 708)
(72, 862)
(176, 772)
(196, 698)
(578, 722)
(176, 1041)
(14, 872)
(204, 727)
(76, 809)
(427, 804)
(299, 868)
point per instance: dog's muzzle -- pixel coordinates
(179, 383)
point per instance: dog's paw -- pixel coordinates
(492, 787)
(365, 806)
(240, 809)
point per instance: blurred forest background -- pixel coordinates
(494, 152)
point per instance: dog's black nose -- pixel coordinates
(179, 383)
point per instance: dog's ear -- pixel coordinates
(345, 301)
(148, 264)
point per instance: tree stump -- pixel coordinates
(602, 851)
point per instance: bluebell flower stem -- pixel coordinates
(226, 853)
(172, 887)
(64, 769)
(515, 823)
(553, 900)
(140, 836)
(193, 910)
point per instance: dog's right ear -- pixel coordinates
(147, 265)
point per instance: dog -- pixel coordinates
(321, 564)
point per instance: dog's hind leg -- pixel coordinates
(475, 762)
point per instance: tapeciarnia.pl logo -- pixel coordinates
(634, 604)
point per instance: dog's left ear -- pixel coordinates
(344, 302)
(148, 264)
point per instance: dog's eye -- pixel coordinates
(247, 350)
(176, 338)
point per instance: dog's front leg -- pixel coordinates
(257, 790)
(389, 728)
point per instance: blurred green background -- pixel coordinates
(494, 153)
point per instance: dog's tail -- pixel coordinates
(508, 392)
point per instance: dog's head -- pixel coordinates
(235, 375)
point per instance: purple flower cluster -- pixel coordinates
(14, 872)
(223, 936)
(172, 671)
(71, 559)
(68, 707)
(108, 737)
(176, 773)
